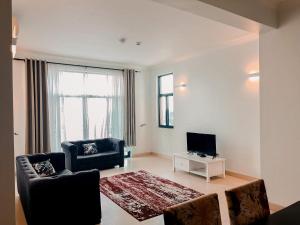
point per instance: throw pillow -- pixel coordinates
(44, 168)
(90, 149)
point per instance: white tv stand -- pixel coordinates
(206, 167)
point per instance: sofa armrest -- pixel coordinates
(75, 197)
(119, 146)
(69, 147)
(71, 152)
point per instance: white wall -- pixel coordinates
(218, 99)
(280, 107)
(7, 178)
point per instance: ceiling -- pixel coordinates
(272, 3)
(91, 29)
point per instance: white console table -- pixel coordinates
(206, 167)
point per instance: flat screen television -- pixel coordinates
(203, 144)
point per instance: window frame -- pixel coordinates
(166, 96)
(84, 98)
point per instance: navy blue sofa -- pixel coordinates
(66, 198)
(110, 154)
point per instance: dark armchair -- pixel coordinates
(110, 153)
(66, 198)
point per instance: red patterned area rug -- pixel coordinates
(144, 195)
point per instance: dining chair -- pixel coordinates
(204, 210)
(248, 204)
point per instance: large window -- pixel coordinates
(165, 101)
(84, 105)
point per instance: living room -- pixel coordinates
(137, 90)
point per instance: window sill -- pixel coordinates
(168, 127)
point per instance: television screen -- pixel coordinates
(201, 143)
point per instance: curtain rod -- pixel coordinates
(68, 64)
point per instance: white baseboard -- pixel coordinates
(275, 207)
(141, 154)
(240, 175)
(157, 154)
(162, 155)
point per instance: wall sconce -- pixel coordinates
(254, 76)
(15, 34)
(181, 85)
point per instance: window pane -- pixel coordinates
(72, 119)
(100, 85)
(162, 113)
(166, 84)
(171, 110)
(99, 118)
(71, 83)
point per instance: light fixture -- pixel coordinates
(15, 33)
(122, 40)
(181, 85)
(254, 76)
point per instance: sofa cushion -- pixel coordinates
(90, 149)
(64, 172)
(98, 155)
(99, 160)
(104, 145)
(44, 168)
(109, 153)
(79, 145)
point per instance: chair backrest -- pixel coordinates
(248, 203)
(204, 210)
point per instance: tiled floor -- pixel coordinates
(114, 215)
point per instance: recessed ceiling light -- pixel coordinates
(123, 40)
(138, 43)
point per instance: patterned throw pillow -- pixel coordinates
(44, 169)
(90, 149)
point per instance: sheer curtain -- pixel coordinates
(84, 103)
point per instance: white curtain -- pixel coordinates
(84, 103)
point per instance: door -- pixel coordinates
(19, 97)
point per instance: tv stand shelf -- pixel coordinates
(206, 167)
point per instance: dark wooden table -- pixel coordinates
(287, 216)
